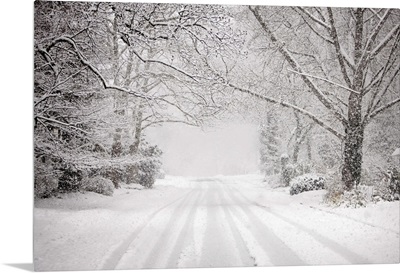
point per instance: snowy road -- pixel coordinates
(215, 222)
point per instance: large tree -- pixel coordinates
(106, 71)
(348, 60)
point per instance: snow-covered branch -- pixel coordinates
(315, 19)
(63, 124)
(292, 62)
(326, 80)
(164, 64)
(322, 36)
(291, 106)
(377, 96)
(366, 54)
(385, 41)
(338, 48)
(85, 62)
(381, 109)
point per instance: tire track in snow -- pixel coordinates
(347, 254)
(219, 247)
(114, 258)
(191, 253)
(277, 251)
(142, 246)
(178, 220)
(185, 234)
(244, 252)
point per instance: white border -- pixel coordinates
(16, 137)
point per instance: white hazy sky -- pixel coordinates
(228, 149)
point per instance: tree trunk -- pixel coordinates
(134, 148)
(353, 142)
(297, 136)
(351, 172)
(309, 152)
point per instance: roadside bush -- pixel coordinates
(290, 171)
(388, 189)
(146, 170)
(115, 174)
(46, 179)
(99, 184)
(306, 182)
(70, 179)
(354, 198)
(337, 195)
(335, 191)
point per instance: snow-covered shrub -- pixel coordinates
(115, 174)
(306, 182)
(146, 169)
(353, 199)
(290, 171)
(286, 170)
(389, 187)
(287, 174)
(46, 179)
(150, 166)
(337, 195)
(70, 179)
(99, 184)
(146, 173)
(335, 190)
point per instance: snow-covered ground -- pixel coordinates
(209, 222)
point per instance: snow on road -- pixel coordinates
(209, 222)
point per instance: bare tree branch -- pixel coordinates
(326, 80)
(291, 106)
(315, 19)
(288, 57)
(85, 62)
(381, 109)
(164, 64)
(338, 48)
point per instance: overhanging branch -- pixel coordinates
(292, 62)
(381, 109)
(85, 62)
(326, 80)
(291, 106)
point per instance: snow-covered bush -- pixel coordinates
(354, 198)
(70, 179)
(337, 195)
(115, 174)
(98, 184)
(306, 182)
(290, 171)
(287, 174)
(146, 174)
(388, 189)
(334, 187)
(286, 170)
(46, 179)
(146, 169)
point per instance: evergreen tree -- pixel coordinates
(269, 158)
